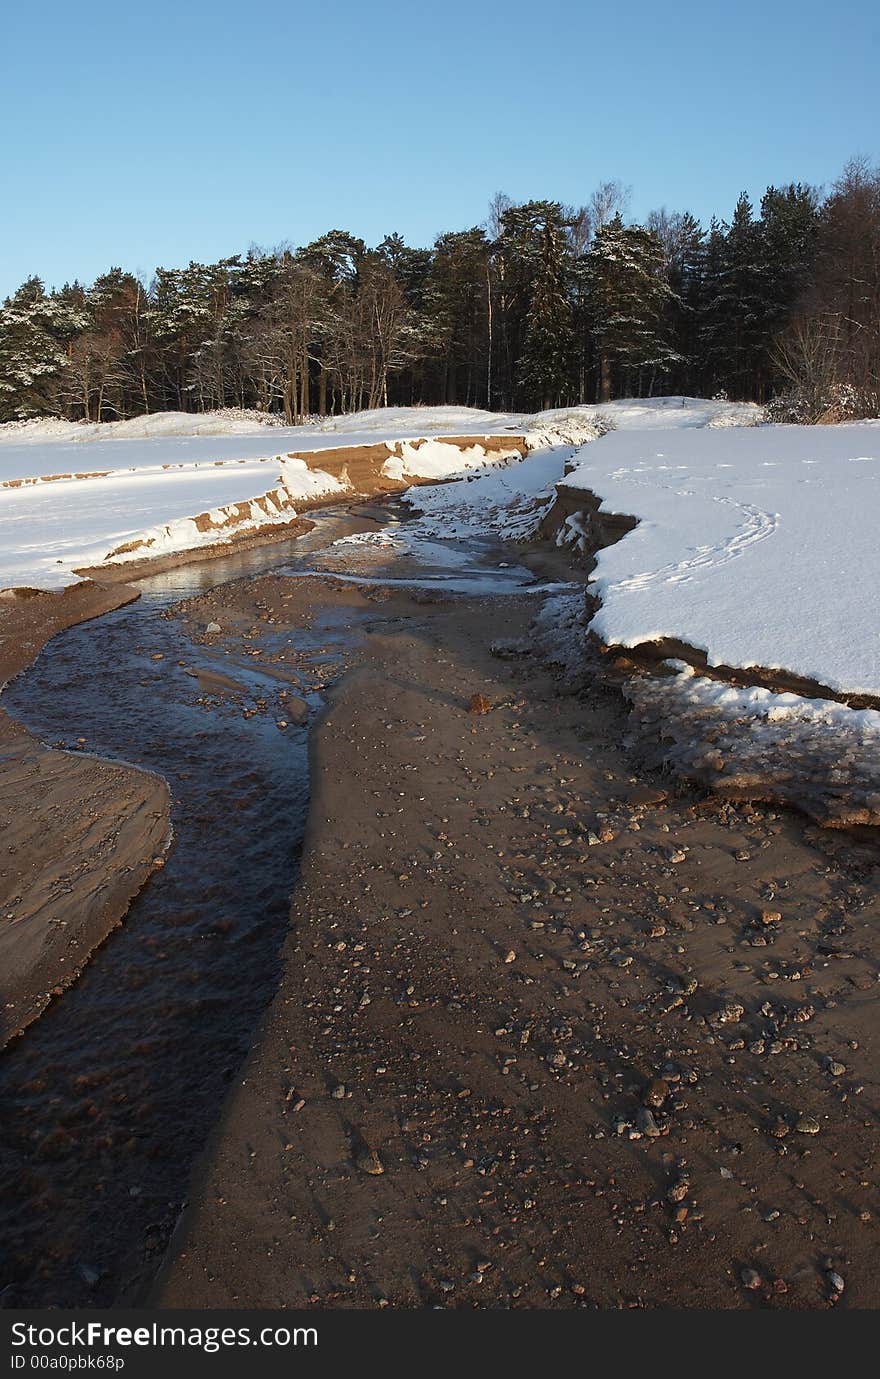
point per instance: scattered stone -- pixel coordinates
(368, 1161)
(807, 1125)
(213, 627)
(479, 704)
(655, 1093)
(728, 1014)
(646, 1123)
(751, 1278)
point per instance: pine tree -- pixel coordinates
(35, 333)
(545, 304)
(684, 248)
(736, 330)
(547, 351)
(535, 320)
(456, 312)
(629, 295)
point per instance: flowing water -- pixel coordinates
(108, 1098)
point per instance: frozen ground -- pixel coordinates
(71, 493)
(822, 756)
(121, 500)
(756, 545)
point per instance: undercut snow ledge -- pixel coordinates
(819, 756)
(216, 526)
(756, 545)
(304, 485)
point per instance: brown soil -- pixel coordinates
(548, 1033)
(54, 478)
(357, 467)
(80, 835)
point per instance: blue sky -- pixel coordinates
(138, 135)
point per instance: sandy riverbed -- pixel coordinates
(81, 836)
(551, 1031)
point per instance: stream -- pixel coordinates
(109, 1097)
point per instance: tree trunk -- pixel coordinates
(304, 398)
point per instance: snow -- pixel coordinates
(66, 505)
(821, 755)
(72, 494)
(757, 545)
(505, 502)
(227, 422)
(50, 446)
(47, 529)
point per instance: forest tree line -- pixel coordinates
(544, 305)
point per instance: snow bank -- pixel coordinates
(438, 459)
(70, 494)
(230, 421)
(65, 506)
(49, 529)
(503, 501)
(757, 546)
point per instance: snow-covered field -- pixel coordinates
(71, 493)
(756, 545)
(72, 503)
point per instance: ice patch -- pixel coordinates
(816, 754)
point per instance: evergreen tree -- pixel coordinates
(547, 348)
(456, 314)
(684, 249)
(535, 321)
(737, 335)
(629, 296)
(545, 305)
(36, 330)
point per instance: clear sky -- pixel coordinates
(138, 134)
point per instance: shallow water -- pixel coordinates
(108, 1098)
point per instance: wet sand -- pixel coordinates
(81, 836)
(552, 1030)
